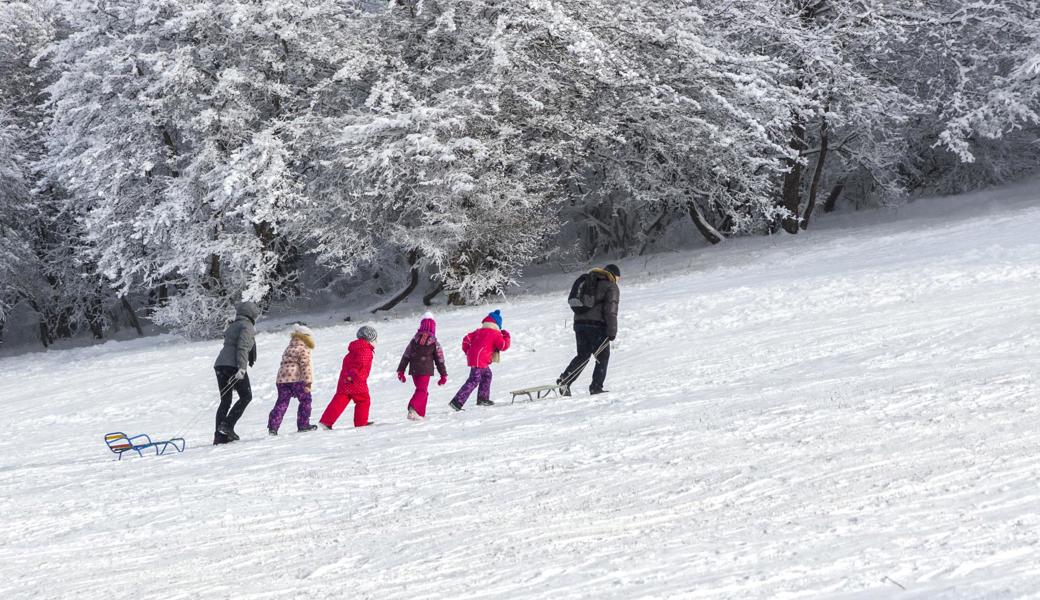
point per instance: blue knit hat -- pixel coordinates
(495, 317)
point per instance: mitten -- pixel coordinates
(442, 380)
(401, 377)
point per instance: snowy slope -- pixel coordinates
(843, 414)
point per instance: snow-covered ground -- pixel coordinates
(852, 413)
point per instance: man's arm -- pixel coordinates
(610, 309)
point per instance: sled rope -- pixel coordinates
(577, 371)
(208, 406)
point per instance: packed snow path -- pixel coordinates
(842, 414)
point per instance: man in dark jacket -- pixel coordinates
(237, 355)
(595, 327)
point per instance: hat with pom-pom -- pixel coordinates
(495, 317)
(428, 325)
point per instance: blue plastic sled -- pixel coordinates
(119, 443)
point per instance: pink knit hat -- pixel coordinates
(428, 325)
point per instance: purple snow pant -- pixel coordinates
(286, 392)
(479, 379)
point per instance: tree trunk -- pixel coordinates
(710, 233)
(427, 300)
(832, 199)
(791, 194)
(817, 173)
(456, 299)
(214, 269)
(95, 315)
(45, 335)
(131, 314)
(653, 230)
(413, 281)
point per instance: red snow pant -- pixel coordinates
(421, 395)
(339, 404)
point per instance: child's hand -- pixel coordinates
(442, 380)
(401, 377)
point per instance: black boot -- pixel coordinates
(455, 405)
(272, 431)
(565, 390)
(228, 432)
(484, 402)
(593, 392)
(218, 439)
(307, 428)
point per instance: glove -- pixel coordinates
(610, 338)
(240, 375)
(401, 377)
(442, 380)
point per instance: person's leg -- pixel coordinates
(245, 396)
(599, 373)
(335, 408)
(467, 388)
(421, 395)
(581, 360)
(303, 413)
(223, 380)
(274, 419)
(484, 389)
(361, 403)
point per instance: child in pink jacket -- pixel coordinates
(481, 348)
(295, 376)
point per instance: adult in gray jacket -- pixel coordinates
(237, 355)
(594, 300)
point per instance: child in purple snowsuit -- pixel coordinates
(422, 355)
(295, 376)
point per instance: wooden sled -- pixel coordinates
(537, 393)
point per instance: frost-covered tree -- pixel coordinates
(195, 152)
(168, 131)
(15, 250)
(995, 51)
(681, 121)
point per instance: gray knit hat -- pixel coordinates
(368, 333)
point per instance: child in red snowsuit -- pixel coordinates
(481, 347)
(353, 381)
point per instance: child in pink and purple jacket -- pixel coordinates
(481, 347)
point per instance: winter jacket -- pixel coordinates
(423, 353)
(357, 364)
(607, 295)
(296, 363)
(239, 349)
(481, 345)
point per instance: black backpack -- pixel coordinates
(583, 295)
